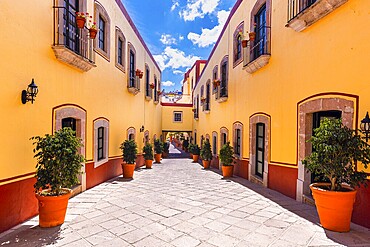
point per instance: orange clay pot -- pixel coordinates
(191, 155)
(93, 33)
(80, 21)
(128, 170)
(157, 158)
(148, 164)
(205, 164)
(227, 171)
(52, 209)
(195, 157)
(334, 207)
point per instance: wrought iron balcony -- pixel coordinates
(72, 45)
(258, 52)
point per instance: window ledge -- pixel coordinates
(156, 102)
(148, 98)
(71, 58)
(313, 13)
(258, 63)
(133, 90)
(206, 111)
(222, 99)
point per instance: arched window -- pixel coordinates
(147, 82)
(132, 82)
(224, 136)
(214, 143)
(131, 133)
(237, 44)
(120, 49)
(224, 71)
(101, 140)
(238, 139)
(102, 41)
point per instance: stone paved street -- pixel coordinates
(178, 203)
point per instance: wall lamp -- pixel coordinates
(142, 128)
(365, 126)
(30, 93)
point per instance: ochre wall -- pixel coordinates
(167, 118)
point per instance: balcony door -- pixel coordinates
(260, 29)
(70, 31)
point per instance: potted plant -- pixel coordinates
(185, 144)
(196, 152)
(81, 19)
(141, 74)
(336, 149)
(151, 85)
(252, 36)
(129, 154)
(57, 170)
(191, 148)
(158, 149)
(216, 82)
(137, 72)
(206, 154)
(166, 148)
(93, 30)
(226, 157)
(148, 155)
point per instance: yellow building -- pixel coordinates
(91, 85)
(308, 59)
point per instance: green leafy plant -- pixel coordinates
(166, 147)
(158, 146)
(196, 150)
(206, 152)
(185, 143)
(191, 148)
(129, 151)
(226, 154)
(148, 151)
(58, 161)
(337, 148)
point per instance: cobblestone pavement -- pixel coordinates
(178, 203)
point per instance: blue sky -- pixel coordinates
(178, 32)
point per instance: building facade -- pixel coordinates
(90, 85)
(308, 60)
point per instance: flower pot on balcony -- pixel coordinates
(80, 21)
(244, 43)
(93, 33)
(252, 36)
(141, 74)
(152, 86)
(137, 72)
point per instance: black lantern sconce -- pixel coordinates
(365, 126)
(142, 128)
(30, 93)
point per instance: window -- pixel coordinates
(177, 116)
(156, 96)
(101, 130)
(208, 96)
(238, 135)
(260, 148)
(237, 44)
(102, 42)
(133, 83)
(223, 136)
(100, 143)
(131, 133)
(214, 143)
(132, 69)
(147, 82)
(224, 80)
(237, 146)
(71, 37)
(215, 81)
(120, 49)
(69, 123)
(260, 29)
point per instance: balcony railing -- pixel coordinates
(295, 7)
(261, 45)
(72, 45)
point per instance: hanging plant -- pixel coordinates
(81, 19)
(93, 30)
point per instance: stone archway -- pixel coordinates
(305, 120)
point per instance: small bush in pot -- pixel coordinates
(148, 155)
(337, 148)
(166, 148)
(129, 154)
(185, 144)
(58, 166)
(158, 149)
(196, 152)
(206, 154)
(226, 157)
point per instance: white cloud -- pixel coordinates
(175, 59)
(209, 36)
(168, 83)
(177, 72)
(198, 8)
(175, 4)
(181, 37)
(167, 39)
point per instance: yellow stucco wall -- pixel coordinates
(168, 123)
(26, 53)
(329, 56)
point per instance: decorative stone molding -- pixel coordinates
(71, 58)
(256, 64)
(305, 120)
(313, 13)
(222, 99)
(239, 126)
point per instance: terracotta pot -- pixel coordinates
(227, 171)
(93, 33)
(191, 155)
(80, 21)
(152, 86)
(244, 43)
(128, 170)
(157, 158)
(195, 157)
(334, 207)
(52, 209)
(148, 164)
(137, 72)
(252, 36)
(206, 164)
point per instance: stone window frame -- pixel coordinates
(214, 147)
(131, 48)
(237, 40)
(101, 122)
(238, 126)
(120, 35)
(305, 118)
(201, 94)
(225, 60)
(208, 93)
(101, 12)
(146, 137)
(178, 112)
(148, 90)
(215, 77)
(195, 136)
(224, 130)
(131, 131)
(156, 88)
(253, 120)
(80, 114)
